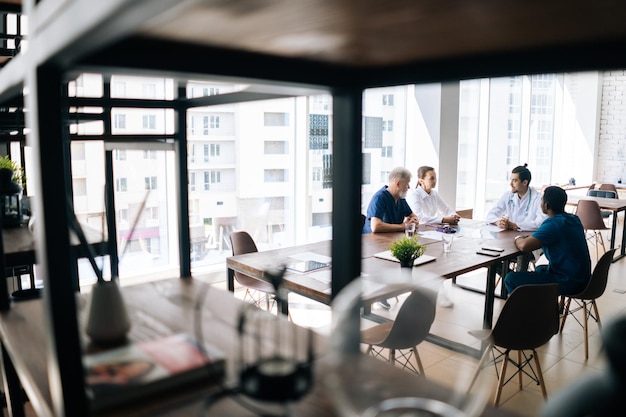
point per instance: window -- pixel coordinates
(211, 177)
(191, 152)
(119, 121)
(149, 154)
(276, 119)
(386, 151)
(192, 125)
(192, 181)
(214, 122)
(153, 246)
(276, 147)
(214, 91)
(387, 125)
(152, 213)
(318, 131)
(387, 99)
(373, 132)
(119, 154)
(316, 175)
(206, 152)
(122, 215)
(121, 185)
(149, 90)
(215, 150)
(275, 175)
(205, 125)
(149, 121)
(328, 171)
(151, 183)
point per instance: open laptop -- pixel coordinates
(306, 266)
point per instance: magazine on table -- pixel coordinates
(143, 369)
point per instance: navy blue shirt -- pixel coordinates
(384, 206)
(563, 242)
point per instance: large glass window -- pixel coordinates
(267, 166)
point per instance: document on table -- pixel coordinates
(492, 228)
(419, 261)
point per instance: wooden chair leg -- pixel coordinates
(595, 309)
(479, 367)
(540, 376)
(505, 361)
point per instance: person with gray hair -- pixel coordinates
(388, 210)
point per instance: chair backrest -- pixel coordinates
(590, 215)
(529, 318)
(608, 187)
(413, 321)
(599, 276)
(363, 218)
(602, 193)
(241, 242)
(466, 213)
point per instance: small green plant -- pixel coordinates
(18, 171)
(407, 249)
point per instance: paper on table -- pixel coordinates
(435, 235)
(419, 261)
(431, 234)
(324, 275)
(492, 228)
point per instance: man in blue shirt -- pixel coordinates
(562, 238)
(388, 210)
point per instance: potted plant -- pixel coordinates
(407, 250)
(18, 171)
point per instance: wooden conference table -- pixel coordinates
(616, 206)
(176, 305)
(382, 278)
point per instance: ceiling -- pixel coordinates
(382, 33)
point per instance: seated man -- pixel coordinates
(519, 209)
(388, 210)
(562, 238)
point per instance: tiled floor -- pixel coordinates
(562, 359)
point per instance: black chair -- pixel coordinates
(586, 300)
(528, 320)
(241, 243)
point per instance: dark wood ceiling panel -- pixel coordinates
(380, 33)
